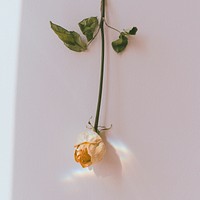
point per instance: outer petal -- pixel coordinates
(98, 153)
(88, 136)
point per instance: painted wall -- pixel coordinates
(9, 39)
(151, 97)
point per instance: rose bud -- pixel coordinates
(90, 149)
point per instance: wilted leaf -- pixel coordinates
(88, 27)
(133, 31)
(77, 45)
(120, 44)
(71, 39)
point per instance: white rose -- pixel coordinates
(90, 149)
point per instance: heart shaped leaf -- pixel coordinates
(120, 44)
(88, 27)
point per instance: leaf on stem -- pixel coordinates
(120, 44)
(88, 27)
(133, 31)
(71, 39)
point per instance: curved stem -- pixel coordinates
(102, 67)
(111, 27)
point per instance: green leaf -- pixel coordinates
(88, 27)
(133, 31)
(71, 39)
(77, 44)
(120, 44)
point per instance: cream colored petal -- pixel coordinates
(88, 136)
(99, 153)
(91, 149)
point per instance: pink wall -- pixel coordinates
(151, 97)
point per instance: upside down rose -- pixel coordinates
(90, 149)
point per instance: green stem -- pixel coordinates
(102, 67)
(111, 27)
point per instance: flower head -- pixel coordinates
(90, 149)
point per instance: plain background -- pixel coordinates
(9, 40)
(151, 97)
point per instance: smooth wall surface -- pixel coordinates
(9, 39)
(151, 97)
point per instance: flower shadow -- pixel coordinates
(110, 165)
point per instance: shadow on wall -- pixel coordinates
(117, 159)
(111, 164)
